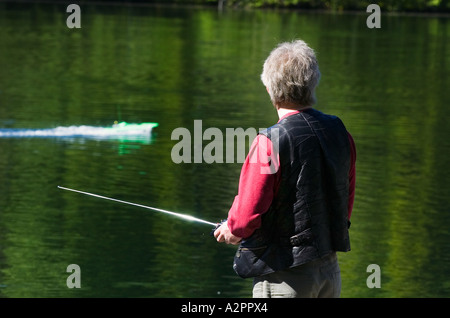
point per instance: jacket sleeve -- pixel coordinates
(258, 184)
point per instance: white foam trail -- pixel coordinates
(80, 131)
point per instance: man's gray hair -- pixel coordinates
(291, 74)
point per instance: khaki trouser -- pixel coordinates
(319, 278)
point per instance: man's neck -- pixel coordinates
(282, 112)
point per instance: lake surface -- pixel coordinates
(176, 65)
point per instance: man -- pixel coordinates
(293, 207)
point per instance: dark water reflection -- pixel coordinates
(172, 66)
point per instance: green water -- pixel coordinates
(173, 66)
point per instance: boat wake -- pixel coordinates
(120, 131)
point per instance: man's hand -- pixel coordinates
(223, 234)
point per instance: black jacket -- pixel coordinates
(308, 217)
